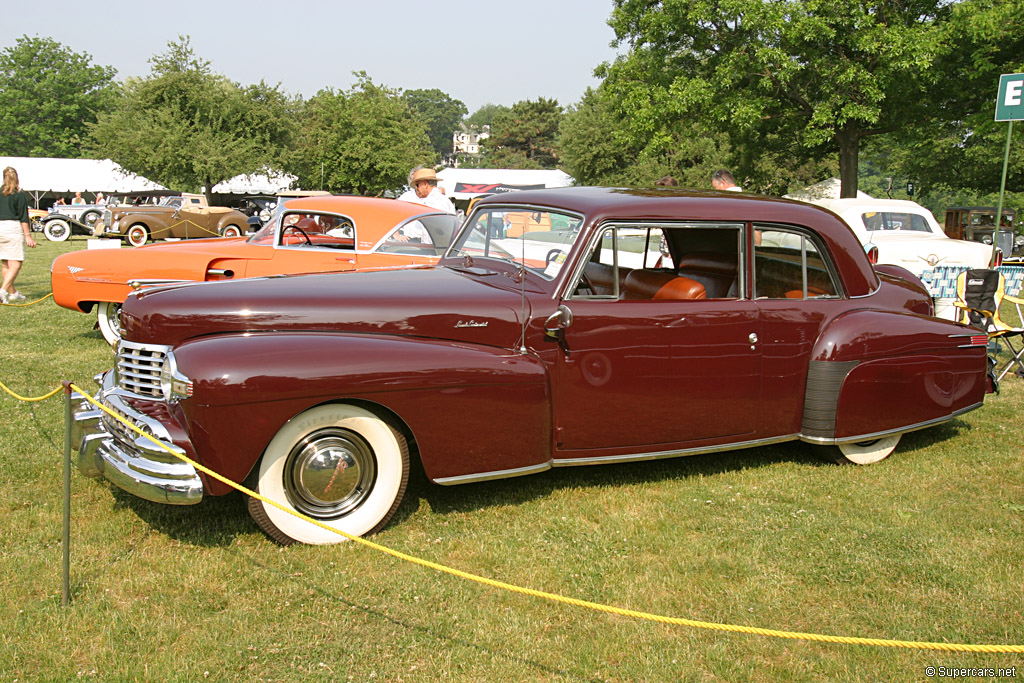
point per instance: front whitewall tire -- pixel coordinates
(285, 468)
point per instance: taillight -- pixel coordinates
(997, 257)
(872, 252)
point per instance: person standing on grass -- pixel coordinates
(14, 234)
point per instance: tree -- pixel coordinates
(440, 113)
(965, 147)
(484, 116)
(48, 94)
(524, 136)
(803, 79)
(188, 128)
(364, 140)
(597, 147)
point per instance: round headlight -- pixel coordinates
(987, 239)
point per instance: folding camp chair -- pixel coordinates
(979, 293)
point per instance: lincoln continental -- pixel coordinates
(622, 326)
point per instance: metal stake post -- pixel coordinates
(66, 535)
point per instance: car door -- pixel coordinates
(638, 374)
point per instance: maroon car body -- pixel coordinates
(639, 325)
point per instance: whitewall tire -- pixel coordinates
(339, 464)
(108, 317)
(869, 452)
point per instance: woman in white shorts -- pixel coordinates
(14, 234)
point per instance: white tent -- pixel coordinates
(466, 183)
(826, 189)
(60, 176)
(269, 183)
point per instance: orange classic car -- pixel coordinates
(306, 235)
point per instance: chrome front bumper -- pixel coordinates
(106, 448)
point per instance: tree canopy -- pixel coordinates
(524, 136)
(803, 79)
(364, 140)
(440, 113)
(188, 128)
(48, 95)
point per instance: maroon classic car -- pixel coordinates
(626, 325)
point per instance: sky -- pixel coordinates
(478, 52)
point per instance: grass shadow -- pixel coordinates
(470, 497)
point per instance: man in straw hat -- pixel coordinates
(423, 182)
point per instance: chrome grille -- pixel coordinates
(139, 366)
(116, 428)
(108, 215)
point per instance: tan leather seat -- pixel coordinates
(602, 277)
(661, 284)
(716, 271)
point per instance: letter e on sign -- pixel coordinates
(1010, 101)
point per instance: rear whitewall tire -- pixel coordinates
(324, 430)
(869, 452)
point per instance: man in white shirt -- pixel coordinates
(423, 182)
(723, 180)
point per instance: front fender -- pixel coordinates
(875, 372)
(471, 409)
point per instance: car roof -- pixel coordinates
(838, 205)
(373, 216)
(673, 204)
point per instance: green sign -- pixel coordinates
(1010, 102)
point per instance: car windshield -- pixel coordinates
(537, 239)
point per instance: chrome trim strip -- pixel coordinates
(491, 476)
(661, 455)
(889, 432)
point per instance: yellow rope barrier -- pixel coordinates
(25, 398)
(678, 621)
(29, 303)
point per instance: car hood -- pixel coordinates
(185, 260)
(470, 305)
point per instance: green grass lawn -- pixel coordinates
(923, 546)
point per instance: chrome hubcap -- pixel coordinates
(330, 473)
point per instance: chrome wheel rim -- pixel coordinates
(330, 473)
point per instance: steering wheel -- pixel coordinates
(552, 255)
(301, 231)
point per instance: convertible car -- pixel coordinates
(306, 235)
(632, 325)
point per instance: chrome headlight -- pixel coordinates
(1018, 241)
(174, 385)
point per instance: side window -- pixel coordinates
(789, 265)
(429, 235)
(306, 229)
(665, 262)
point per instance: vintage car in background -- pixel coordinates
(185, 217)
(306, 235)
(318, 389)
(64, 220)
(978, 224)
(35, 217)
(907, 234)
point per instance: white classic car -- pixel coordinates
(907, 234)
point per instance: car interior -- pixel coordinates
(703, 262)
